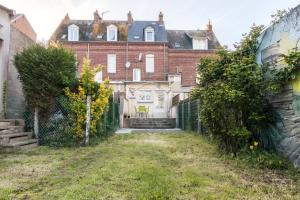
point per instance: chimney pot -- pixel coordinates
(129, 18)
(161, 19)
(66, 19)
(209, 26)
(97, 17)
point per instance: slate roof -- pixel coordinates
(86, 30)
(136, 31)
(177, 39)
(182, 39)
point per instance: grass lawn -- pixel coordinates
(140, 166)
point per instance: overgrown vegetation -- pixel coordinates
(233, 90)
(99, 92)
(44, 72)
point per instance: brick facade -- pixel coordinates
(167, 61)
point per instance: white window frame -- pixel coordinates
(115, 30)
(150, 63)
(111, 63)
(98, 77)
(73, 33)
(149, 30)
(200, 44)
(134, 77)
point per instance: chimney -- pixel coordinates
(66, 19)
(129, 18)
(161, 19)
(97, 17)
(209, 26)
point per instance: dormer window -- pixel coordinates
(73, 33)
(149, 34)
(200, 44)
(112, 33)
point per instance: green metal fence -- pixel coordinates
(188, 115)
(56, 128)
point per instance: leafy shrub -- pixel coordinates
(99, 93)
(44, 73)
(233, 93)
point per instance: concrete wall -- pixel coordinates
(15, 98)
(4, 53)
(278, 39)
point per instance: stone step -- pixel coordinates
(19, 145)
(13, 122)
(15, 137)
(17, 128)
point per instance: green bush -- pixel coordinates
(233, 92)
(44, 72)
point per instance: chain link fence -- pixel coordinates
(188, 115)
(56, 129)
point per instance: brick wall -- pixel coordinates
(184, 62)
(22, 24)
(167, 61)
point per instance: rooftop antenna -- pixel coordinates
(107, 11)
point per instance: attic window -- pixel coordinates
(112, 31)
(149, 34)
(73, 33)
(200, 44)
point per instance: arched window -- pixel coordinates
(112, 33)
(149, 34)
(73, 33)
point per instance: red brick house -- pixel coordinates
(146, 63)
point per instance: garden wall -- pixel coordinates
(15, 98)
(278, 39)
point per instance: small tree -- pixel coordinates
(44, 73)
(99, 95)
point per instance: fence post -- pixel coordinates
(88, 119)
(113, 116)
(182, 117)
(198, 116)
(189, 115)
(36, 122)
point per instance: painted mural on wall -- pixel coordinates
(280, 39)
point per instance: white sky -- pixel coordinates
(230, 18)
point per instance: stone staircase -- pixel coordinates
(13, 137)
(152, 123)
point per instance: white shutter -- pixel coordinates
(111, 63)
(136, 74)
(149, 63)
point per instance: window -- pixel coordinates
(200, 44)
(112, 31)
(145, 96)
(73, 33)
(111, 63)
(98, 77)
(160, 99)
(149, 34)
(149, 63)
(136, 74)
